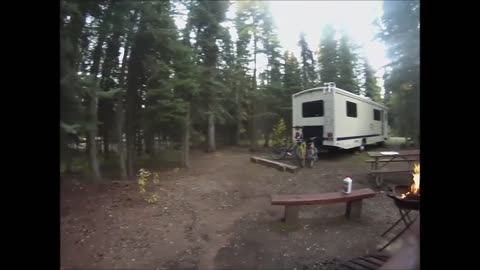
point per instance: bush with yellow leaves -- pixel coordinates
(146, 185)
(279, 133)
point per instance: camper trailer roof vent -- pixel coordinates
(329, 86)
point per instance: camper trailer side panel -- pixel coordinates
(359, 125)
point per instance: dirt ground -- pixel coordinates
(217, 215)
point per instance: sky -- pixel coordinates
(354, 17)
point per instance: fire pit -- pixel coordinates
(408, 202)
(407, 199)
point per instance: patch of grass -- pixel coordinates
(79, 165)
(282, 227)
(396, 141)
(169, 158)
(260, 142)
(361, 156)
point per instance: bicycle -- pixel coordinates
(303, 150)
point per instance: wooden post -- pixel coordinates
(354, 209)
(291, 215)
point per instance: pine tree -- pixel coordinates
(268, 108)
(370, 86)
(309, 74)
(292, 83)
(400, 27)
(250, 17)
(242, 60)
(92, 97)
(327, 59)
(148, 81)
(206, 17)
(347, 61)
(186, 86)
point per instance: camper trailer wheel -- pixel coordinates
(362, 147)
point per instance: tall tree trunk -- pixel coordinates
(106, 143)
(92, 103)
(66, 153)
(253, 133)
(139, 142)
(69, 163)
(239, 119)
(211, 132)
(251, 129)
(130, 132)
(149, 143)
(91, 135)
(186, 138)
(120, 111)
(134, 84)
(74, 31)
(119, 118)
(266, 136)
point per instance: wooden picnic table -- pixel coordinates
(405, 155)
(381, 160)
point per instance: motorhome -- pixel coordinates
(338, 118)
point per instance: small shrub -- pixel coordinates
(146, 185)
(279, 133)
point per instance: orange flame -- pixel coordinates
(415, 187)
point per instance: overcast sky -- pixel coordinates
(354, 17)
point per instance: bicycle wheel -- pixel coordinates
(312, 156)
(300, 154)
(279, 152)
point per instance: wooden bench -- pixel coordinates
(353, 200)
(275, 164)
(378, 174)
(409, 160)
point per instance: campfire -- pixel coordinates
(414, 192)
(408, 197)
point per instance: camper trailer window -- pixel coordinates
(376, 115)
(351, 109)
(312, 108)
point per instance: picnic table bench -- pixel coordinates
(293, 201)
(380, 160)
(274, 164)
(372, 162)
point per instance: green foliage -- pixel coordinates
(309, 75)
(146, 185)
(347, 60)
(204, 19)
(144, 71)
(292, 83)
(279, 133)
(72, 129)
(400, 30)
(111, 93)
(370, 86)
(328, 54)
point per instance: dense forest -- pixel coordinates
(134, 84)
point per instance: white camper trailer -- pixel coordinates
(338, 118)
